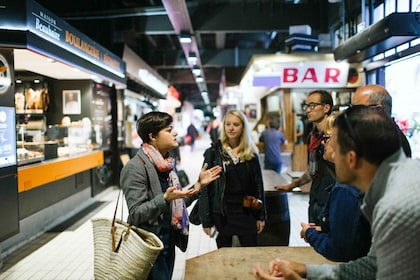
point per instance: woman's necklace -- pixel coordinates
(234, 158)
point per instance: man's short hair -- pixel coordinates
(273, 123)
(369, 131)
(325, 98)
(383, 98)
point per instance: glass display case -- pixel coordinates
(29, 152)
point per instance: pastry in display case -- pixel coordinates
(28, 151)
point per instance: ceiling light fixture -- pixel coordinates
(199, 79)
(196, 70)
(192, 57)
(185, 38)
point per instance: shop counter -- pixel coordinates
(238, 262)
(39, 174)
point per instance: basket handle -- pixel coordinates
(124, 234)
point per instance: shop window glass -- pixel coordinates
(378, 13)
(403, 83)
(390, 7)
(403, 6)
(415, 5)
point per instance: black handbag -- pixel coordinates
(194, 217)
(181, 240)
(183, 178)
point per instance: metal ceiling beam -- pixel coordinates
(179, 16)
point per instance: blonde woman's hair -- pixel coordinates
(247, 147)
(329, 125)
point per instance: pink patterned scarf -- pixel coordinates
(178, 208)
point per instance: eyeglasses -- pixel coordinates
(311, 105)
(326, 137)
(370, 105)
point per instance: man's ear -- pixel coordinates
(353, 159)
(327, 108)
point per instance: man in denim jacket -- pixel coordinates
(368, 154)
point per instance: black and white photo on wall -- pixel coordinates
(72, 104)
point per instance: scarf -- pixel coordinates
(314, 160)
(179, 219)
(315, 140)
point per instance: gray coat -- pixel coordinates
(143, 192)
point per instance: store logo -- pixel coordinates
(5, 79)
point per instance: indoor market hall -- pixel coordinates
(65, 251)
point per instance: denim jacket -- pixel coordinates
(345, 231)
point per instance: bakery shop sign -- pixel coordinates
(5, 80)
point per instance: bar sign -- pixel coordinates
(266, 81)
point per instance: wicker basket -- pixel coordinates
(129, 255)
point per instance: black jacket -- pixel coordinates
(211, 197)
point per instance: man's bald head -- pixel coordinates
(373, 95)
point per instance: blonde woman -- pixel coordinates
(234, 204)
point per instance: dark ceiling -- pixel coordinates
(226, 33)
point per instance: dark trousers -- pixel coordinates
(164, 265)
(249, 240)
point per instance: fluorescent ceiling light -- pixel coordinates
(196, 70)
(185, 39)
(192, 57)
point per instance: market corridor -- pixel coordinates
(66, 250)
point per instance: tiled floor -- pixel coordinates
(66, 252)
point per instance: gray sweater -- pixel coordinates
(392, 206)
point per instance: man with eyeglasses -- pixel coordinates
(377, 96)
(368, 154)
(318, 107)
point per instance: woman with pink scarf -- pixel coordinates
(155, 199)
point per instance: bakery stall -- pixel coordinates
(60, 86)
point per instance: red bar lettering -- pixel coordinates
(332, 74)
(290, 75)
(310, 74)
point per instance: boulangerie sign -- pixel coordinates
(313, 74)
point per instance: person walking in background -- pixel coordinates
(213, 130)
(234, 204)
(152, 190)
(318, 107)
(344, 233)
(192, 134)
(367, 153)
(277, 232)
(300, 130)
(272, 138)
(378, 96)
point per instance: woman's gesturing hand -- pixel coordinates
(207, 176)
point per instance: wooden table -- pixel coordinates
(272, 178)
(238, 262)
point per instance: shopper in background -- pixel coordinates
(213, 130)
(272, 138)
(152, 190)
(279, 224)
(344, 233)
(377, 96)
(192, 134)
(300, 130)
(318, 107)
(368, 154)
(234, 204)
